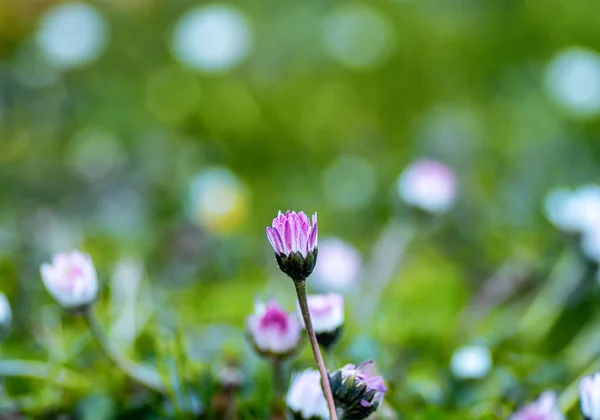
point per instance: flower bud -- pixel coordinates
(294, 240)
(357, 392)
(327, 316)
(273, 332)
(305, 397)
(71, 280)
(589, 397)
(544, 408)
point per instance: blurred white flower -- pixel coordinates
(5, 312)
(71, 35)
(560, 208)
(428, 185)
(589, 395)
(217, 200)
(326, 312)
(590, 245)
(575, 211)
(338, 267)
(71, 279)
(305, 396)
(358, 36)
(573, 80)
(212, 38)
(471, 362)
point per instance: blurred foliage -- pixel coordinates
(103, 156)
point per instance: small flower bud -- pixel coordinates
(294, 240)
(305, 397)
(357, 393)
(327, 315)
(589, 397)
(273, 332)
(544, 408)
(71, 280)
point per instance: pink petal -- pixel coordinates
(302, 237)
(287, 237)
(299, 235)
(312, 239)
(275, 240)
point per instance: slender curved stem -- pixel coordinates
(40, 370)
(569, 396)
(138, 373)
(301, 292)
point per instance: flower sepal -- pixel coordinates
(296, 266)
(330, 338)
(357, 394)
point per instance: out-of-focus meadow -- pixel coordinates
(162, 136)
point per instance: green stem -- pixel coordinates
(301, 292)
(40, 370)
(278, 385)
(569, 396)
(278, 382)
(141, 374)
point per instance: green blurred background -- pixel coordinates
(162, 136)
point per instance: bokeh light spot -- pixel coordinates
(95, 152)
(212, 38)
(217, 200)
(349, 182)
(358, 36)
(71, 35)
(573, 81)
(471, 362)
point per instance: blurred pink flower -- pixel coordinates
(544, 408)
(293, 232)
(589, 396)
(339, 268)
(326, 312)
(274, 332)
(71, 279)
(305, 396)
(327, 315)
(428, 185)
